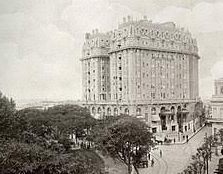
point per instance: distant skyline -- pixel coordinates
(41, 40)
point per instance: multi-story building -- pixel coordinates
(143, 69)
(216, 119)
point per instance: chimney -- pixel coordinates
(96, 31)
(92, 31)
(145, 17)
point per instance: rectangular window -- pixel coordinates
(173, 128)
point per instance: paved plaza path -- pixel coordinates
(175, 158)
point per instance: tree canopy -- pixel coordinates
(126, 138)
(30, 140)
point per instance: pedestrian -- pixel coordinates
(161, 153)
(174, 140)
(187, 138)
(152, 163)
(149, 156)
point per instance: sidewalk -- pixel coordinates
(185, 141)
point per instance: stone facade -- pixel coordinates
(216, 119)
(143, 69)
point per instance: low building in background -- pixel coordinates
(143, 69)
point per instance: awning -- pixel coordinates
(155, 118)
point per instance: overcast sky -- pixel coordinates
(41, 40)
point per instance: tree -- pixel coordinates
(210, 142)
(125, 139)
(221, 135)
(29, 143)
(197, 163)
(7, 119)
(200, 160)
(199, 112)
(70, 119)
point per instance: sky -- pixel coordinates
(41, 40)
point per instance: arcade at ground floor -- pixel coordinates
(170, 122)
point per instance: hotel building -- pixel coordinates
(143, 69)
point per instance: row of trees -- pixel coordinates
(200, 161)
(37, 141)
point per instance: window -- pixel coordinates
(173, 128)
(153, 95)
(138, 111)
(115, 111)
(154, 130)
(120, 68)
(153, 111)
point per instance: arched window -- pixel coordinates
(115, 111)
(93, 111)
(179, 108)
(172, 109)
(138, 111)
(99, 110)
(153, 111)
(126, 111)
(109, 112)
(162, 109)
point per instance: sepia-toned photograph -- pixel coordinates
(111, 86)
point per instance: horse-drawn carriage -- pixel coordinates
(143, 162)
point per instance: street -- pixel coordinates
(175, 158)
